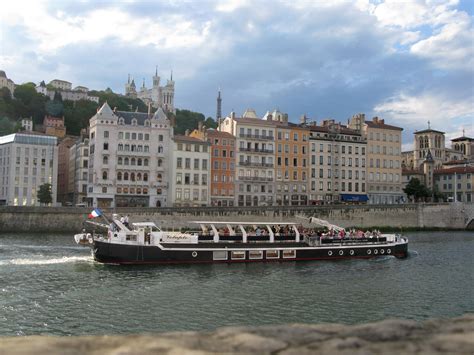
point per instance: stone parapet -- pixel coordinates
(447, 336)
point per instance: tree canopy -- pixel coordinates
(416, 189)
(44, 194)
(186, 119)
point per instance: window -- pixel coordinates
(104, 175)
(106, 146)
(106, 134)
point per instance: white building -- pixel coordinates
(129, 158)
(190, 183)
(338, 164)
(157, 96)
(66, 91)
(27, 161)
(78, 171)
(255, 154)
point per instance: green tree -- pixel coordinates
(55, 107)
(416, 189)
(25, 93)
(188, 120)
(7, 126)
(44, 194)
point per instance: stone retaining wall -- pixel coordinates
(70, 219)
(451, 336)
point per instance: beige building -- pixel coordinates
(384, 162)
(457, 183)
(189, 182)
(255, 154)
(6, 83)
(338, 164)
(78, 171)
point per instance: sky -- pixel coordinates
(408, 62)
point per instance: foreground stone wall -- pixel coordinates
(70, 219)
(452, 336)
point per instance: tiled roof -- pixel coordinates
(381, 125)
(462, 139)
(215, 133)
(428, 131)
(457, 170)
(181, 138)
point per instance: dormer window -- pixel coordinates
(147, 123)
(121, 121)
(134, 122)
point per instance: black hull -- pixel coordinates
(106, 252)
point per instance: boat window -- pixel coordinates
(273, 254)
(237, 255)
(131, 237)
(288, 254)
(255, 254)
(219, 255)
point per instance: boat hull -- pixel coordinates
(106, 252)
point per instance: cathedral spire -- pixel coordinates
(171, 75)
(219, 107)
(156, 70)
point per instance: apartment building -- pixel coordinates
(255, 154)
(222, 153)
(384, 161)
(63, 167)
(27, 161)
(129, 158)
(292, 164)
(189, 183)
(78, 171)
(457, 183)
(338, 164)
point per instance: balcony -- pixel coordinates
(254, 178)
(256, 150)
(256, 136)
(255, 164)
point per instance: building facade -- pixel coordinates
(255, 154)
(6, 83)
(456, 184)
(27, 161)
(78, 171)
(338, 164)
(63, 168)
(292, 164)
(190, 172)
(384, 162)
(222, 155)
(157, 95)
(129, 158)
(66, 91)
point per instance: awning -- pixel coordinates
(354, 198)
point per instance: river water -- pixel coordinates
(48, 285)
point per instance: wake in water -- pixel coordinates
(63, 260)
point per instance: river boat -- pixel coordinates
(235, 242)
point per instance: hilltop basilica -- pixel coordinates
(157, 96)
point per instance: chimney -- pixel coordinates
(232, 115)
(115, 109)
(186, 133)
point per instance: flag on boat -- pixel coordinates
(95, 213)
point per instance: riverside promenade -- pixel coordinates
(447, 336)
(410, 216)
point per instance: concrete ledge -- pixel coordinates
(451, 336)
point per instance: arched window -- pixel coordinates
(105, 159)
(119, 176)
(125, 176)
(127, 147)
(132, 176)
(139, 148)
(126, 161)
(139, 176)
(160, 162)
(132, 162)
(160, 149)
(159, 191)
(427, 144)
(159, 178)
(145, 177)
(120, 147)
(147, 123)
(146, 149)
(139, 191)
(139, 161)
(134, 148)
(104, 175)
(145, 162)
(119, 161)
(121, 121)
(134, 122)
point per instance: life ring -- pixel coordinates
(194, 254)
(376, 251)
(115, 235)
(389, 251)
(351, 252)
(330, 252)
(341, 252)
(369, 251)
(382, 251)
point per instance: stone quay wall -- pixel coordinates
(70, 219)
(447, 336)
